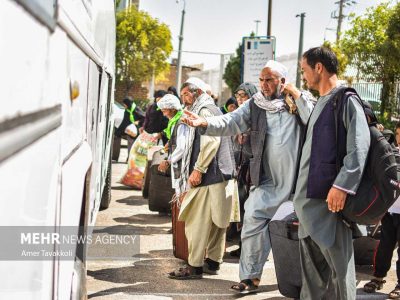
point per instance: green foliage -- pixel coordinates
(143, 46)
(386, 121)
(232, 70)
(372, 46)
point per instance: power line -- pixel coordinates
(342, 5)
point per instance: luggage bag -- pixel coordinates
(179, 241)
(160, 186)
(285, 248)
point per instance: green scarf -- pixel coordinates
(171, 123)
(130, 111)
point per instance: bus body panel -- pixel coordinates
(51, 141)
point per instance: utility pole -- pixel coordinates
(178, 65)
(300, 53)
(339, 22)
(257, 21)
(269, 17)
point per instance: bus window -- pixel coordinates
(43, 10)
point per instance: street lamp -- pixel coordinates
(269, 17)
(257, 21)
(300, 53)
(178, 65)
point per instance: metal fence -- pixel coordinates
(372, 91)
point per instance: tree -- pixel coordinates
(370, 48)
(232, 70)
(143, 46)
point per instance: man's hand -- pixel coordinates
(163, 166)
(380, 127)
(291, 90)
(336, 199)
(195, 178)
(193, 119)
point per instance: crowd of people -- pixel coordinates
(276, 155)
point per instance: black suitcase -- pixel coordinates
(285, 249)
(146, 180)
(160, 186)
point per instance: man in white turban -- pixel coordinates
(175, 132)
(206, 166)
(274, 141)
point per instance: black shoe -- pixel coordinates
(211, 267)
(236, 253)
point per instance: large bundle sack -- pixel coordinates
(137, 160)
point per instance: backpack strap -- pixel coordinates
(339, 99)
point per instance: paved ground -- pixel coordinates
(146, 277)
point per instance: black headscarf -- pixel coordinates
(138, 114)
(173, 91)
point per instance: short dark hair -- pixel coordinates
(322, 55)
(398, 125)
(159, 93)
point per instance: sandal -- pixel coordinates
(185, 273)
(395, 294)
(374, 285)
(245, 286)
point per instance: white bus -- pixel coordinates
(56, 94)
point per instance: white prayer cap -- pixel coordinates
(197, 82)
(169, 101)
(277, 67)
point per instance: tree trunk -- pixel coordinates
(387, 99)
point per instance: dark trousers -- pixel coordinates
(116, 147)
(390, 235)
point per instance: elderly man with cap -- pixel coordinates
(171, 108)
(207, 164)
(274, 140)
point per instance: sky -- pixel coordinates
(218, 25)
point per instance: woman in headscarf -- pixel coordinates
(132, 115)
(154, 121)
(172, 90)
(244, 92)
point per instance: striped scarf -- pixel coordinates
(201, 101)
(266, 103)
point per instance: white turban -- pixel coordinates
(169, 101)
(277, 67)
(198, 82)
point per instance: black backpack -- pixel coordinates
(379, 187)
